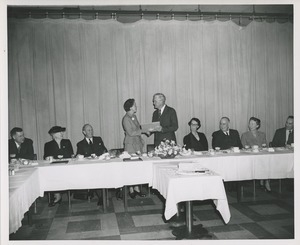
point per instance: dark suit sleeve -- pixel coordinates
(213, 142)
(29, 151)
(174, 122)
(46, 150)
(276, 139)
(239, 143)
(186, 142)
(204, 142)
(79, 149)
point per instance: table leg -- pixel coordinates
(125, 197)
(104, 200)
(189, 231)
(238, 190)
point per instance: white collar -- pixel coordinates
(162, 109)
(88, 139)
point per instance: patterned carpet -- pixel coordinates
(269, 216)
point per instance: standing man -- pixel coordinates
(19, 146)
(226, 138)
(90, 144)
(284, 136)
(166, 116)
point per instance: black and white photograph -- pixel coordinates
(148, 121)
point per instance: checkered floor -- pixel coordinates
(267, 216)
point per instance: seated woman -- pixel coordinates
(194, 140)
(57, 148)
(255, 137)
(133, 142)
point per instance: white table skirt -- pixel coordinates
(23, 190)
(89, 174)
(178, 188)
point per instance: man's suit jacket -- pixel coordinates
(219, 139)
(98, 147)
(168, 122)
(51, 148)
(26, 150)
(280, 137)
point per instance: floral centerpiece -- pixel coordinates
(167, 149)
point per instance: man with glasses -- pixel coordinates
(284, 136)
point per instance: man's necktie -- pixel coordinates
(159, 113)
(90, 142)
(19, 148)
(290, 138)
(226, 133)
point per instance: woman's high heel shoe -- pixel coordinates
(132, 194)
(139, 193)
(52, 204)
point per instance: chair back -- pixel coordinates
(150, 147)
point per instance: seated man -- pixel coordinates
(226, 138)
(284, 136)
(90, 144)
(19, 146)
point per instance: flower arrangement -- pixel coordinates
(167, 149)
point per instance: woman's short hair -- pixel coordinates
(255, 120)
(128, 104)
(195, 119)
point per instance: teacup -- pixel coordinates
(80, 156)
(50, 158)
(255, 147)
(93, 155)
(217, 148)
(236, 149)
(247, 147)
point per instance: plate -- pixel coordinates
(201, 172)
(198, 153)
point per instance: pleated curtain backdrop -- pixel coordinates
(71, 72)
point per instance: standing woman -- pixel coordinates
(57, 148)
(194, 140)
(133, 142)
(255, 137)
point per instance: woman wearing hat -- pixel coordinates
(133, 142)
(57, 148)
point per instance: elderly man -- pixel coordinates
(284, 136)
(166, 116)
(226, 138)
(19, 146)
(90, 144)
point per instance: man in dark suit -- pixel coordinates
(166, 116)
(19, 146)
(90, 144)
(284, 136)
(226, 138)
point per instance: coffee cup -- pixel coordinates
(255, 147)
(50, 158)
(236, 149)
(80, 157)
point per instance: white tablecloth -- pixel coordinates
(92, 174)
(177, 188)
(23, 190)
(31, 182)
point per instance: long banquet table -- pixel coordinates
(114, 173)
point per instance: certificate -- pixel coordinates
(149, 127)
